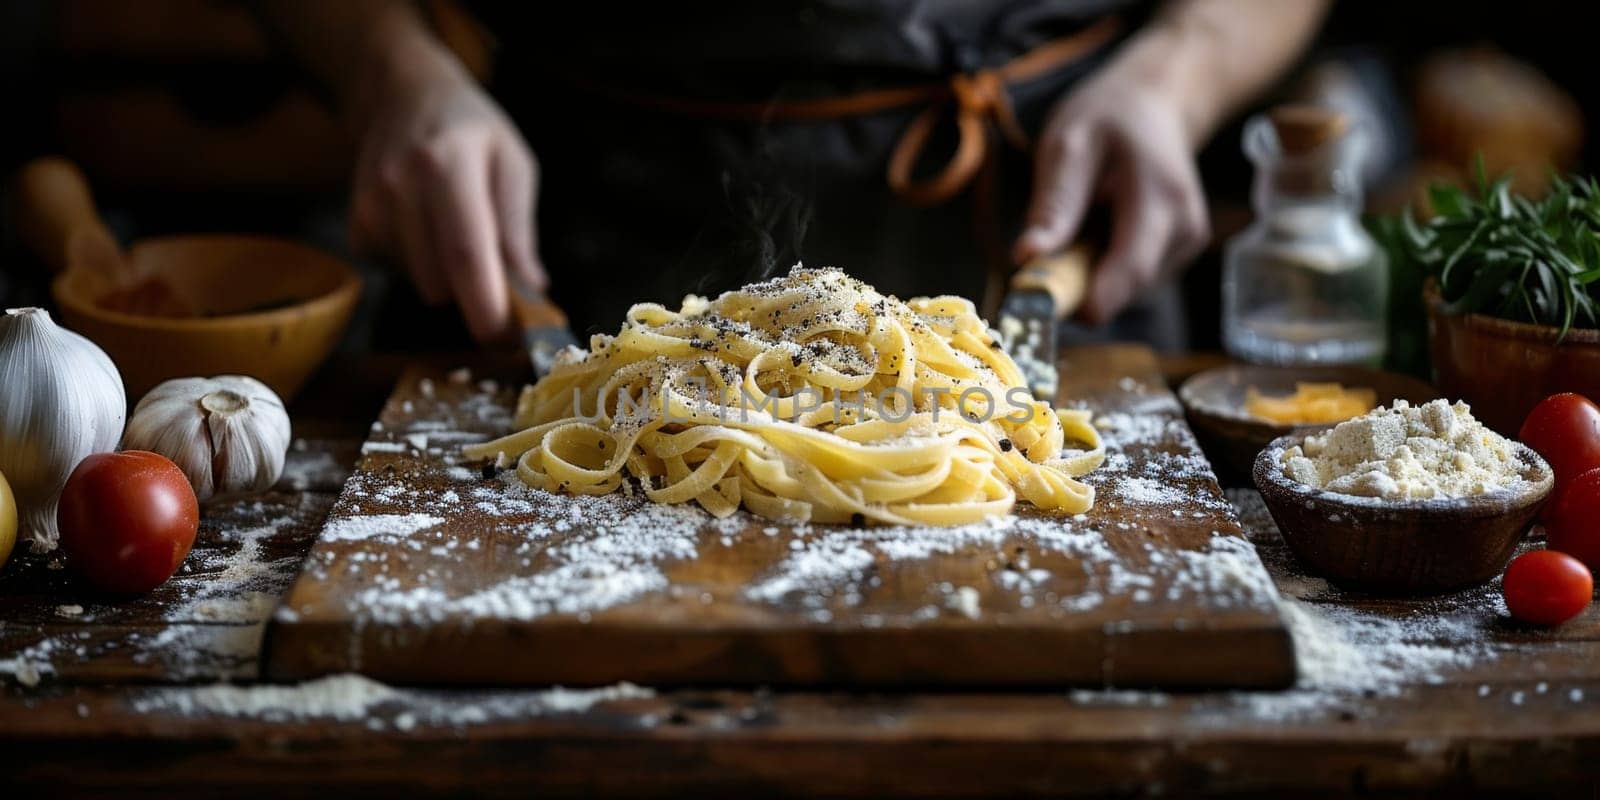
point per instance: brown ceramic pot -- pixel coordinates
(1504, 368)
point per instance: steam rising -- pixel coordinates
(761, 229)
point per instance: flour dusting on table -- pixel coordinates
(350, 698)
(212, 612)
(30, 664)
(226, 593)
(1346, 656)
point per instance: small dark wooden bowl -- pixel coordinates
(1214, 400)
(1401, 547)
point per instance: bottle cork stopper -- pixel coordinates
(1302, 128)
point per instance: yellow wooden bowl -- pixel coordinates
(263, 307)
(183, 306)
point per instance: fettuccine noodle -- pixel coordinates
(808, 397)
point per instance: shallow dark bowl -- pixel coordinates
(1214, 400)
(1401, 547)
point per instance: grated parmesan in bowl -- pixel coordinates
(1433, 456)
(1406, 452)
(1404, 499)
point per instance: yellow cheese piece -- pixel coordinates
(1311, 404)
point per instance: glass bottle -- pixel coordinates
(1305, 283)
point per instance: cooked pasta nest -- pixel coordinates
(809, 397)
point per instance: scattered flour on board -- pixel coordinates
(596, 552)
(368, 526)
(830, 566)
(1149, 456)
(1149, 491)
(580, 555)
(350, 698)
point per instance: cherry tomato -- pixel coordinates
(1545, 587)
(1572, 519)
(1565, 429)
(127, 520)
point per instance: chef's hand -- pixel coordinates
(1128, 136)
(445, 182)
(1118, 139)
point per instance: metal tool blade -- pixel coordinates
(1042, 294)
(1028, 332)
(545, 332)
(543, 344)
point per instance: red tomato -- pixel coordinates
(1572, 518)
(127, 520)
(1565, 429)
(1545, 587)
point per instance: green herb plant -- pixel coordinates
(1497, 253)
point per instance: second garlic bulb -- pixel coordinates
(228, 434)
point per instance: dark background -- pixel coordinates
(187, 118)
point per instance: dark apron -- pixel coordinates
(646, 193)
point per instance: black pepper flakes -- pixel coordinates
(489, 470)
(1005, 445)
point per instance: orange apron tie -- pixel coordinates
(980, 98)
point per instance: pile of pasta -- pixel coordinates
(808, 397)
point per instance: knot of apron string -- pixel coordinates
(980, 98)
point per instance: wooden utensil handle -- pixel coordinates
(533, 309)
(56, 216)
(1065, 276)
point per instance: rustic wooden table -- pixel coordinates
(102, 697)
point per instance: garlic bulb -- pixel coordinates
(61, 399)
(229, 434)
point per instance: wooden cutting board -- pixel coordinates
(430, 572)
